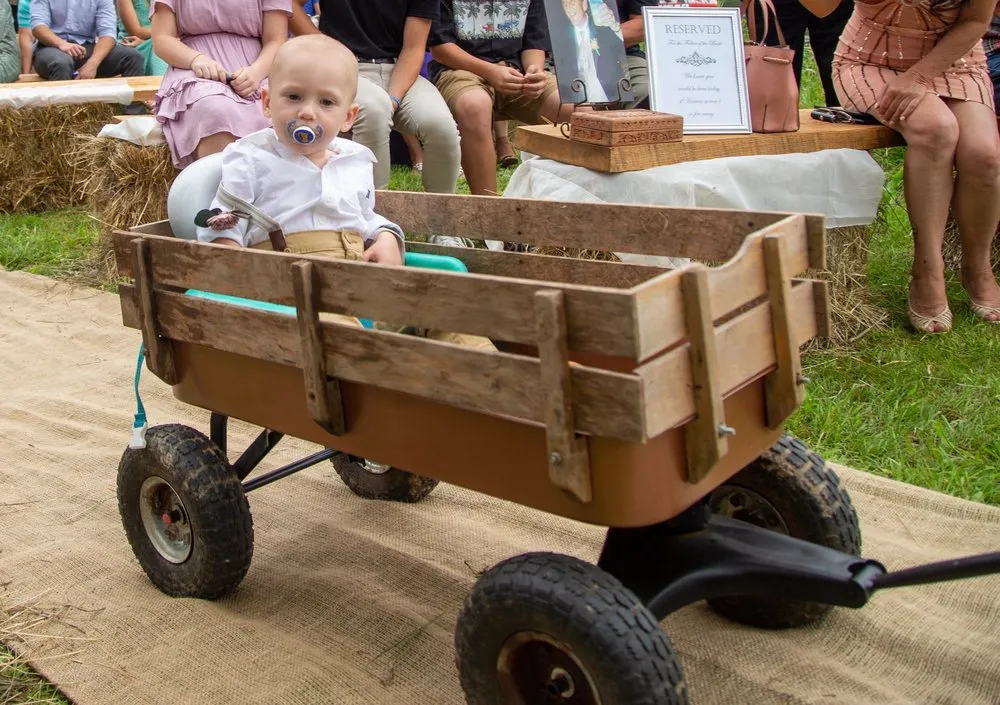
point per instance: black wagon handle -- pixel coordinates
(952, 569)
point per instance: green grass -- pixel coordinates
(57, 244)
(19, 685)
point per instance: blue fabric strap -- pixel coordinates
(139, 425)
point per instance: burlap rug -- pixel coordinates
(351, 601)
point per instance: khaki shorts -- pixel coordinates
(454, 83)
(344, 244)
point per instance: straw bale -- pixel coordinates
(953, 248)
(852, 311)
(35, 144)
(125, 185)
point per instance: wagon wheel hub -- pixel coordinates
(535, 669)
(165, 520)
(746, 505)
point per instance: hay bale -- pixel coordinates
(952, 249)
(35, 148)
(852, 312)
(124, 185)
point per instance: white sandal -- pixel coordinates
(982, 312)
(926, 324)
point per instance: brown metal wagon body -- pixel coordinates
(646, 400)
(491, 422)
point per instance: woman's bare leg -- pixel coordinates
(213, 144)
(931, 134)
(976, 202)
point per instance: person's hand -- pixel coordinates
(901, 97)
(385, 250)
(74, 50)
(506, 79)
(211, 69)
(244, 82)
(534, 82)
(86, 72)
(131, 41)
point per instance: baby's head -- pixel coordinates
(310, 97)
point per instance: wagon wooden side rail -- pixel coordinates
(609, 385)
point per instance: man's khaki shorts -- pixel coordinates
(454, 83)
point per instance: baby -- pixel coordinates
(300, 187)
(299, 177)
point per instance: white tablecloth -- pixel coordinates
(844, 185)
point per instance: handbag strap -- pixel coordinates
(768, 8)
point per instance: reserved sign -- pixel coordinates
(696, 67)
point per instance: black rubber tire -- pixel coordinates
(614, 638)
(813, 506)
(393, 485)
(216, 506)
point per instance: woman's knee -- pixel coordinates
(978, 159)
(933, 130)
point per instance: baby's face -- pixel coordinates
(315, 93)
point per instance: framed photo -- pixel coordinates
(588, 50)
(697, 68)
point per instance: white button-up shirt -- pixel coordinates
(298, 194)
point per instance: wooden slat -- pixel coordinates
(619, 275)
(323, 397)
(143, 87)
(783, 388)
(159, 356)
(601, 320)
(29, 78)
(604, 403)
(705, 444)
(821, 301)
(659, 305)
(744, 353)
(814, 135)
(569, 463)
(698, 233)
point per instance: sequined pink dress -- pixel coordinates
(884, 38)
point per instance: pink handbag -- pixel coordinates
(774, 94)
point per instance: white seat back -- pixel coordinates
(193, 191)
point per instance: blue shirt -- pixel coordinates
(79, 21)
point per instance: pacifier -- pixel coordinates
(303, 134)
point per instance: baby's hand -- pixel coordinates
(385, 250)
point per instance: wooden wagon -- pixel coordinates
(645, 400)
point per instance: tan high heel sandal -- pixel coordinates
(982, 312)
(923, 323)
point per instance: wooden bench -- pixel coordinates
(143, 87)
(814, 135)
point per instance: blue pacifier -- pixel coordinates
(303, 134)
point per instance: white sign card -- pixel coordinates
(696, 67)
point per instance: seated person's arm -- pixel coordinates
(633, 27)
(26, 40)
(534, 44)
(272, 36)
(168, 46)
(300, 22)
(416, 30)
(41, 18)
(107, 37)
(133, 27)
